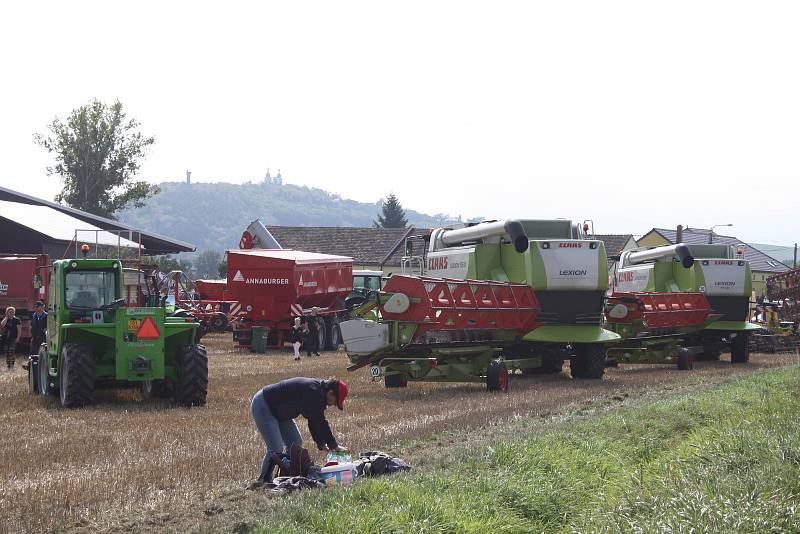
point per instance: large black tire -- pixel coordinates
(740, 348)
(191, 388)
(76, 380)
(33, 375)
(334, 335)
(219, 322)
(394, 381)
(497, 376)
(589, 361)
(685, 360)
(321, 333)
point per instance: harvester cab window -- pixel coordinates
(90, 289)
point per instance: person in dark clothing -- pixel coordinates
(10, 332)
(38, 327)
(275, 407)
(311, 341)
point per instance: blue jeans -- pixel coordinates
(276, 434)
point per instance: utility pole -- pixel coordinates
(794, 265)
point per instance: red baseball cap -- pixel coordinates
(341, 395)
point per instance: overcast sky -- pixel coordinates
(633, 114)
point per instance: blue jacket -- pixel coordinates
(302, 396)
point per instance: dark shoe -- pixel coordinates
(295, 457)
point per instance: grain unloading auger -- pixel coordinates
(692, 297)
(445, 330)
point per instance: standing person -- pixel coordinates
(10, 328)
(275, 407)
(296, 337)
(312, 334)
(38, 327)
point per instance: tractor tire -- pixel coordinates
(394, 381)
(43, 371)
(740, 348)
(156, 389)
(685, 360)
(219, 322)
(334, 335)
(76, 380)
(497, 376)
(711, 352)
(589, 361)
(191, 388)
(33, 375)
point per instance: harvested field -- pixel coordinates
(129, 464)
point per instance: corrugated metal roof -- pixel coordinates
(697, 236)
(152, 242)
(59, 226)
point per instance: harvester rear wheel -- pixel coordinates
(589, 361)
(497, 376)
(76, 381)
(394, 381)
(191, 388)
(334, 335)
(685, 360)
(740, 348)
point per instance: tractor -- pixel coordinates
(94, 339)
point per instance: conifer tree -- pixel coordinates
(393, 216)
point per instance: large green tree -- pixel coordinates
(393, 215)
(98, 151)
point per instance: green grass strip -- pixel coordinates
(722, 460)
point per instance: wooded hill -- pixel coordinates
(213, 216)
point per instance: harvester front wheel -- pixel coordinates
(334, 335)
(191, 387)
(740, 348)
(394, 381)
(497, 376)
(589, 361)
(76, 381)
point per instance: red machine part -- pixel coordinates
(661, 310)
(450, 304)
(24, 279)
(785, 288)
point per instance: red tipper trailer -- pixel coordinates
(212, 289)
(23, 281)
(273, 286)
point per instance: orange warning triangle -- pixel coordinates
(148, 329)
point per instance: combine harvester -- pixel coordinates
(556, 260)
(675, 303)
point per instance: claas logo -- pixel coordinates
(148, 329)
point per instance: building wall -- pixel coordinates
(652, 239)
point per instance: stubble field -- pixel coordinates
(128, 464)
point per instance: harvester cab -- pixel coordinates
(94, 338)
(718, 272)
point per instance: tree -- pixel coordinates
(98, 151)
(223, 268)
(394, 216)
(207, 264)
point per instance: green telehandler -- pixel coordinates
(95, 340)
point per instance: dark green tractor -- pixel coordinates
(95, 340)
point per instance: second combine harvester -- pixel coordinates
(493, 297)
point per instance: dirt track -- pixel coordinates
(129, 464)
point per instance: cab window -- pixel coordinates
(90, 289)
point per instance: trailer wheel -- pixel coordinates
(685, 360)
(740, 348)
(395, 381)
(76, 381)
(497, 376)
(322, 333)
(191, 388)
(589, 361)
(219, 322)
(334, 335)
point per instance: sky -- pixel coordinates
(632, 114)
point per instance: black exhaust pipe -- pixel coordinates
(518, 236)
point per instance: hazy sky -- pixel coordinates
(633, 114)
